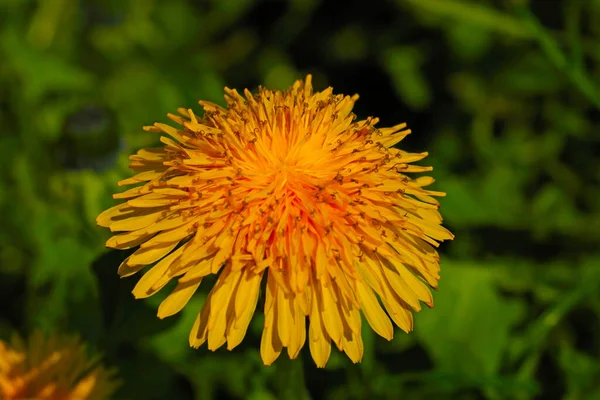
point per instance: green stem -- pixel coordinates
(289, 376)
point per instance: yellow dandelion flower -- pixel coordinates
(51, 368)
(288, 185)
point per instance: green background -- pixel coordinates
(503, 94)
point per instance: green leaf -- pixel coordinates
(41, 72)
(140, 94)
(63, 291)
(403, 64)
(582, 372)
(528, 74)
(92, 190)
(349, 44)
(469, 42)
(261, 395)
(467, 332)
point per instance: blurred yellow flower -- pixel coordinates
(288, 185)
(52, 368)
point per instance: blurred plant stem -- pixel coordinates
(572, 68)
(573, 26)
(47, 20)
(539, 330)
(289, 379)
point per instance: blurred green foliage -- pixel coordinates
(503, 94)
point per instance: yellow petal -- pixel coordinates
(171, 236)
(434, 230)
(283, 316)
(419, 168)
(319, 341)
(148, 255)
(142, 177)
(150, 154)
(400, 287)
(246, 290)
(302, 275)
(136, 219)
(321, 260)
(397, 138)
(133, 192)
(298, 331)
(108, 216)
(199, 332)
(400, 314)
(416, 285)
(145, 286)
(245, 305)
(329, 312)
(198, 252)
(270, 346)
(85, 387)
(177, 135)
(127, 270)
(173, 220)
(197, 271)
(226, 247)
(429, 271)
(351, 316)
(177, 299)
(128, 240)
(424, 263)
(177, 268)
(341, 278)
(353, 347)
(376, 317)
(152, 200)
(221, 308)
(367, 270)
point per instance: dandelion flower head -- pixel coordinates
(52, 368)
(289, 189)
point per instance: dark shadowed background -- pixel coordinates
(503, 94)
